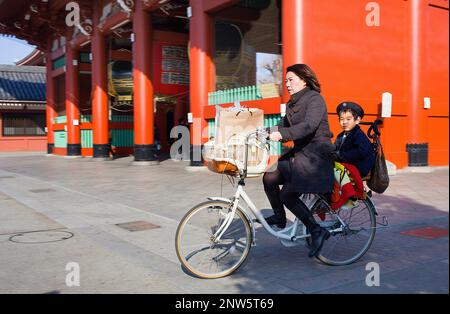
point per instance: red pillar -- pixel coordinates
(50, 103)
(100, 108)
(144, 148)
(201, 67)
(417, 146)
(292, 35)
(72, 102)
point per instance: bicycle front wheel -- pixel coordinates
(197, 247)
(352, 242)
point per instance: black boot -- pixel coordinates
(278, 219)
(318, 234)
(318, 237)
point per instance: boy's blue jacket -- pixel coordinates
(355, 149)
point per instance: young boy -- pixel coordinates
(352, 145)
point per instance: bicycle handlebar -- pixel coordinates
(262, 131)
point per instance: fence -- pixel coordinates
(235, 94)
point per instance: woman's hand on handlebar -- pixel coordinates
(271, 135)
(275, 136)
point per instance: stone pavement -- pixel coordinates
(80, 201)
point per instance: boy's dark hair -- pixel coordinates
(356, 110)
(353, 112)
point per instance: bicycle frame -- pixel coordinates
(289, 233)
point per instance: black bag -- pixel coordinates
(379, 178)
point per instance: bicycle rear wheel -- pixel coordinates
(195, 243)
(350, 244)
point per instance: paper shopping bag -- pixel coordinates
(231, 122)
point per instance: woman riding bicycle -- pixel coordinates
(308, 166)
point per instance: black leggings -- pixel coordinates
(272, 181)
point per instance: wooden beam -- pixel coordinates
(150, 4)
(112, 21)
(121, 55)
(79, 40)
(57, 53)
(212, 6)
(58, 72)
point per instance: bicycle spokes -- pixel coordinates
(352, 232)
(212, 240)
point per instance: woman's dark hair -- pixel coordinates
(305, 73)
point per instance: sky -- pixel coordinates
(13, 49)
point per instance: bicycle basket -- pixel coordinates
(230, 158)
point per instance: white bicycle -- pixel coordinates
(214, 238)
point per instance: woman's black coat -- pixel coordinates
(308, 166)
